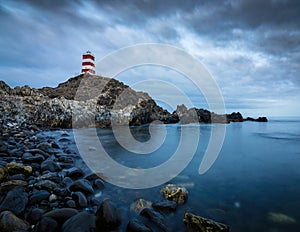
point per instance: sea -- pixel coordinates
(252, 186)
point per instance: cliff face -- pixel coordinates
(56, 107)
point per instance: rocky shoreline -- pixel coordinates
(43, 190)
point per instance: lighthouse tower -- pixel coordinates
(88, 63)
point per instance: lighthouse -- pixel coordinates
(88, 63)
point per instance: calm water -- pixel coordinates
(257, 173)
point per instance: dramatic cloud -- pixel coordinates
(251, 47)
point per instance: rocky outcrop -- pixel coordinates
(194, 115)
(57, 107)
(259, 119)
(89, 100)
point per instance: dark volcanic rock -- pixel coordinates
(61, 215)
(165, 205)
(74, 172)
(81, 222)
(81, 185)
(38, 196)
(137, 226)
(15, 201)
(50, 165)
(80, 199)
(107, 217)
(235, 117)
(260, 119)
(47, 224)
(35, 215)
(11, 223)
(154, 217)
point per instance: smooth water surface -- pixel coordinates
(257, 174)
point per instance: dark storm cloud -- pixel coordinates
(252, 46)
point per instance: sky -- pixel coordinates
(251, 48)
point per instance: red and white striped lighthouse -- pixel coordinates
(88, 65)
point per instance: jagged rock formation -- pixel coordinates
(57, 107)
(193, 115)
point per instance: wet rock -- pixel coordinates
(99, 184)
(45, 146)
(3, 148)
(17, 168)
(165, 205)
(48, 224)
(55, 145)
(140, 204)
(107, 217)
(3, 174)
(201, 224)
(8, 185)
(67, 181)
(50, 165)
(61, 215)
(135, 225)
(154, 217)
(81, 222)
(29, 158)
(18, 177)
(81, 185)
(73, 172)
(35, 215)
(37, 151)
(71, 204)
(15, 201)
(46, 185)
(175, 193)
(53, 176)
(80, 199)
(65, 159)
(64, 140)
(9, 222)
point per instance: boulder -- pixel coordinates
(107, 217)
(196, 223)
(15, 201)
(47, 224)
(165, 205)
(9, 222)
(8, 185)
(81, 185)
(18, 168)
(62, 214)
(175, 193)
(81, 222)
(154, 217)
(135, 225)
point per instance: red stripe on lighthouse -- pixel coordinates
(88, 56)
(88, 63)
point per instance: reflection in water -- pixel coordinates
(252, 186)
